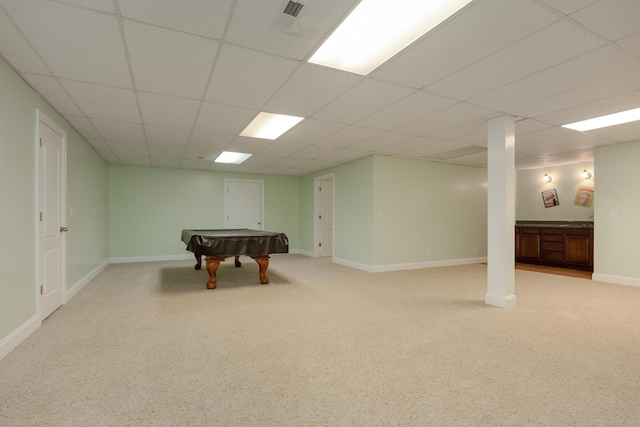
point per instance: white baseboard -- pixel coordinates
(123, 260)
(619, 280)
(310, 254)
(16, 337)
(71, 292)
(409, 265)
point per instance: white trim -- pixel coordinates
(125, 260)
(14, 339)
(310, 254)
(500, 300)
(316, 212)
(42, 117)
(71, 292)
(618, 280)
(409, 266)
(226, 201)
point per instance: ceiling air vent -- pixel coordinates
(293, 9)
(289, 14)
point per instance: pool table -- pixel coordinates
(218, 245)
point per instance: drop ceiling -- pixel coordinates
(169, 83)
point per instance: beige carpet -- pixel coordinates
(326, 345)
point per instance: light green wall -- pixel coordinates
(566, 181)
(616, 239)
(428, 211)
(353, 208)
(87, 187)
(390, 210)
(149, 207)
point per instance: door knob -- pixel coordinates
(63, 229)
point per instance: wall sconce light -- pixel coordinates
(585, 174)
(547, 178)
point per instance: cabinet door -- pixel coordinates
(529, 246)
(577, 250)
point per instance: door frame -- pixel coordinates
(226, 200)
(42, 117)
(316, 211)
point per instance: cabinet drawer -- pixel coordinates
(552, 246)
(552, 231)
(529, 230)
(552, 237)
(552, 256)
(577, 231)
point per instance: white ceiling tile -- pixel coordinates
(614, 19)
(273, 170)
(115, 103)
(83, 126)
(436, 148)
(16, 50)
(169, 62)
(53, 92)
(164, 110)
(93, 38)
(623, 132)
(120, 131)
(409, 146)
(596, 65)
(406, 110)
(100, 146)
(103, 5)
(224, 118)
(160, 135)
(310, 88)
(282, 149)
(128, 149)
(316, 164)
(164, 162)
(202, 153)
(568, 6)
(262, 159)
(366, 98)
(287, 162)
(480, 29)
(243, 144)
(347, 136)
(254, 26)
(203, 17)
(134, 160)
(456, 115)
(110, 158)
(341, 155)
(631, 44)
(616, 104)
(477, 159)
(246, 78)
(604, 88)
(169, 151)
(310, 131)
(380, 141)
(312, 152)
(209, 139)
(462, 130)
(559, 42)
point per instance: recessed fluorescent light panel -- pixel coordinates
(606, 121)
(378, 29)
(232, 157)
(270, 126)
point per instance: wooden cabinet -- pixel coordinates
(559, 246)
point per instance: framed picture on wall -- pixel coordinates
(584, 197)
(550, 198)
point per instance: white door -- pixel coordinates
(324, 216)
(51, 256)
(243, 204)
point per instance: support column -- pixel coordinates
(501, 214)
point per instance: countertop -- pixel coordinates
(555, 224)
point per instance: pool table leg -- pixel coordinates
(237, 262)
(263, 262)
(198, 260)
(213, 262)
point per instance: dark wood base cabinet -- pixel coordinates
(558, 246)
